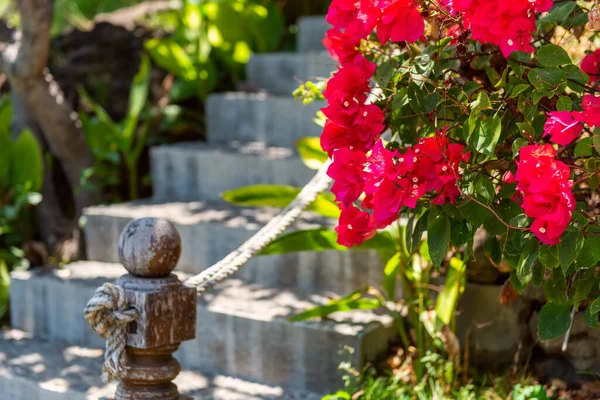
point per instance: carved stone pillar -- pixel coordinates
(149, 249)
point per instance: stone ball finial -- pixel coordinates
(149, 247)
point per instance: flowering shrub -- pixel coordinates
(467, 114)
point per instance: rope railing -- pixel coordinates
(109, 313)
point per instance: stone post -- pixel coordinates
(149, 249)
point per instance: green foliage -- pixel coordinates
(279, 196)
(115, 143)
(371, 384)
(21, 178)
(207, 47)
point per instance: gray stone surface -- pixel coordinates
(37, 369)
(194, 171)
(282, 73)
(211, 231)
(311, 31)
(242, 330)
(495, 329)
(259, 117)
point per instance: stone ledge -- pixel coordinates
(242, 330)
(39, 369)
(195, 171)
(210, 231)
(259, 117)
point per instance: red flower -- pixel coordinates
(388, 200)
(347, 173)
(545, 189)
(517, 37)
(342, 47)
(342, 12)
(591, 110)
(354, 226)
(591, 65)
(401, 22)
(563, 127)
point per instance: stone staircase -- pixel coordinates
(246, 347)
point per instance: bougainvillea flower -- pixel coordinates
(347, 173)
(545, 189)
(591, 110)
(354, 226)
(341, 46)
(401, 22)
(563, 127)
(591, 65)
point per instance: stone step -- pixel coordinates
(200, 172)
(282, 73)
(242, 330)
(211, 231)
(38, 369)
(311, 31)
(259, 117)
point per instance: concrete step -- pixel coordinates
(38, 369)
(200, 172)
(282, 73)
(243, 330)
(258, 117)
(211, 231)
(311, 31)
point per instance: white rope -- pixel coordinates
(223, 269)
(109, 313)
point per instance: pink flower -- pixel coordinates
(342, 47)
(518, 37)
(591, 65)
(545, 188)
(563, 127)
(347, 173)
(354, 227)
(401, 22)
(591, 110)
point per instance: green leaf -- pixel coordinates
(279, 196)
(549, 257)
(564, 103)
(5, 160)
(438, 238)
(589, 257)
(348, 303)
(481, 103)
(552, 55)
(518, 89)
(4, 288)
(590, 317)
(323, 239)
(26, 162)
(417, 235)
(445, 307)
(547, 79)
(484, 187)
(137, 97)
(311, 153)
(529, 255)
(390, 275)
(577, 78)
(554, 320)
(487, 134)
(569, 249)
(584, 147)
(170, 56)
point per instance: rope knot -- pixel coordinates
(109, 313)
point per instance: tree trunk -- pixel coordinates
(39, 104)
